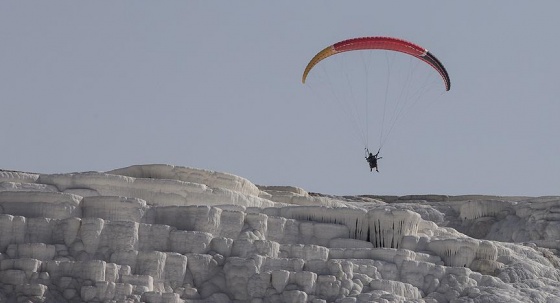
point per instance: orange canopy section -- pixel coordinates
(384, 43)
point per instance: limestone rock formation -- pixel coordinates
(161, 233)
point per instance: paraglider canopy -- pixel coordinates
(383, 43)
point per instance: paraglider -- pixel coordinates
(388, 44)
(372, 160)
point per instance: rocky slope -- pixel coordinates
(160, 233)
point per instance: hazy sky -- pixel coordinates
(98, 85)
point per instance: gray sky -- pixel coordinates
(98, 85)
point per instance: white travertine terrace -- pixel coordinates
(162, 233)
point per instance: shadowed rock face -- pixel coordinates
(160, 233)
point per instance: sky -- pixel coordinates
(99, 85)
